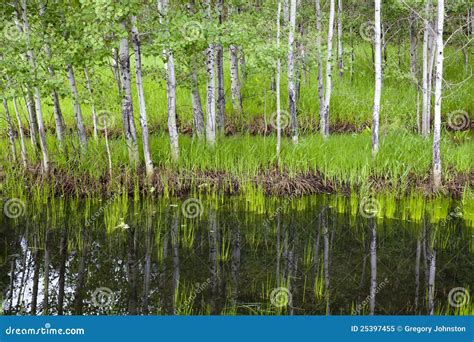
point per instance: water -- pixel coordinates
(315, 255)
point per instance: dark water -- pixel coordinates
(300, 256)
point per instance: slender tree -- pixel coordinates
(141, 98)
(320, 62)
(378, 77)
(340, 47)
(278, 87)
(324, 125)
(438, 97)
(234, 80)
(211, 85)
(291, 71)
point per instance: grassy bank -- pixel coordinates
(343, 163)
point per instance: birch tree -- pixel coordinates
(141, 98)
(37, 92)
(21, 133)
(211, 86)
(11, 131)
(438, 97)
(320, 61)
(324, 125)
(426, 70)
(127, 106)
(220, 74)
(91, 94)
(198, 115)
(378, 77)
(234, 80)
(291, 71)
(340, 47)
(170, 89)
(81, 129)
(277, 84)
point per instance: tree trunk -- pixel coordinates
(141, 100)
(91, 94)
(324, 126)
(373, 263)
(170, 90)
(340, 48)
(438, 97)
(378, 78)
(278, 87)
(127, 107)
(81, 130)
(32, 122)
(291, 71)
(11, 131)
(198, 116)
(425, 116)
(234, 80)
(115, 70)
(24, 157)
(320, 64)
(413, 68)
(37, 93)
(220, 76)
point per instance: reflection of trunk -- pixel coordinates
(11, 294)
(364, 264)
(62, 271)
(81, 276)
(198, 116)
(235, 263)
(77, 107)
(147, 270)
(324, 224)
(132, 273)
(36, 272)
(235, 81)
(373, 265)
(278, 218)
(417, 273)
(175, 251)
(46, 274)
(317, 246)
(214, 267)
(431, 279)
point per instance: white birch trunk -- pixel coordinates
(198, 115)
(320, 62)
(11, 131)
(291, 71)
(91, 94)
(235, 81)
(170, 90)
(81, 130)
(340, 47)
(127, 107)
(378, 77)
(438, 97)
(211, 86)
(324, 126)
(277, 83)
(24, 157)
(37, 93)
(425, 80)
(141, 100)
(220, 75)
